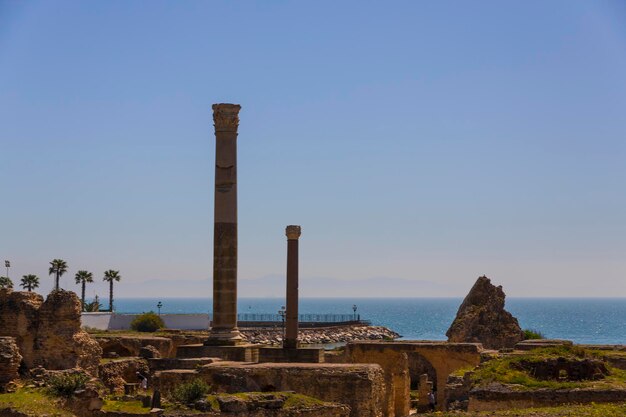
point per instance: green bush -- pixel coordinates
(147, 322)
(64, 384)
(533, 334)
(190, 392)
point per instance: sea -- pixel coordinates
(581, 320)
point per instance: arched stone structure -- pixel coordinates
(444, 357)
(418, 365)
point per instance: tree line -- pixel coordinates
(58, 267)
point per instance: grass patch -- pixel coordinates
(108, 360)
(301, 401)
(530, 334)
(130, 407)
(212, 399)
(505, 370)
(33, 402)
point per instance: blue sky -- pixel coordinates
(426, 141)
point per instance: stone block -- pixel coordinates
(299, 355)
(176, 363)
(241, 353)
(125, 346)
(360, 387)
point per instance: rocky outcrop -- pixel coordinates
(483, 319)
(10, 359)
(48, 333)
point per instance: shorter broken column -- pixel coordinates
(424, 388)
(291, 335)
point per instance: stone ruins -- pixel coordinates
(362, 379)
(48, 333)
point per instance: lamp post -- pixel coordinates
(354, 309)
(283, 312)
(159, 305)
(7, 264)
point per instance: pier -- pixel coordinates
(121, 321)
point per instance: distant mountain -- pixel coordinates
(274, 286)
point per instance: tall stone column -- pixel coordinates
(291, 333)
(224, 329)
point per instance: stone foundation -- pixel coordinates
(241, 353)
(176, 363)
(125, 346)
(541, 343)
(361, 387)
(300, 355)
(501, 397)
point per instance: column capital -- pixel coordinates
(293, 232)
(226, 117)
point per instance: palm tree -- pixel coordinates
(111, 276)
(5, 282)
(57, 267)
(30, 282)
(83, 277)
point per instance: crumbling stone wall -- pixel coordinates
(19, 318)
(10, 359)
(457, 392)
(565, 369)
(396, 369)
(116, 373)
(361, 387)
(124, 346)
(48, 332)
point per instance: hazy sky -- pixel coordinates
(433, 141)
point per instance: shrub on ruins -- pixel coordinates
(530, 334)
(147, 322)
(64, 384)
(190, 392)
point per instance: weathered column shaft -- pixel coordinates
(291, 333)
(224, 327)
